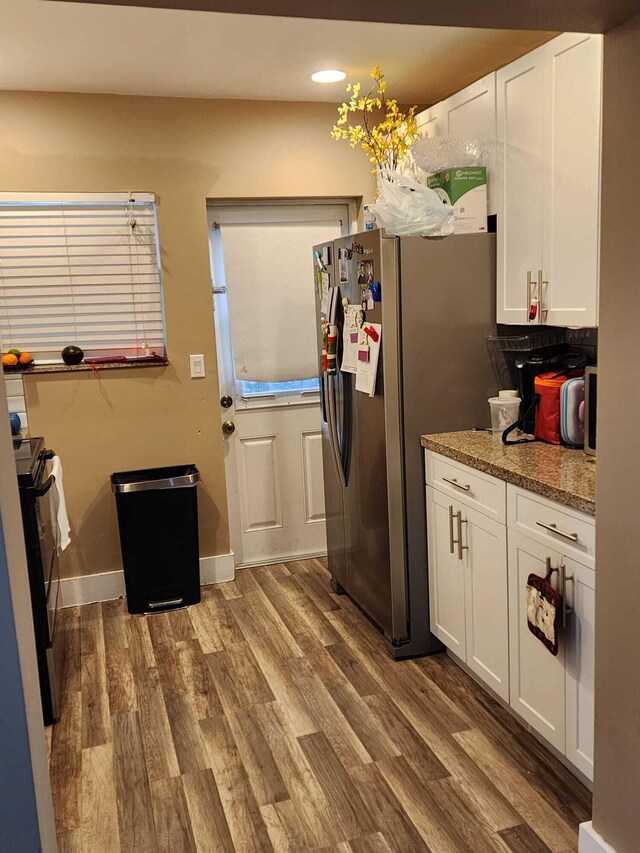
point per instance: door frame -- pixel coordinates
(236, 210)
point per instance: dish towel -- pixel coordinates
(543, 611)
(59, 506)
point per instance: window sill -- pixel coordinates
(84, 368)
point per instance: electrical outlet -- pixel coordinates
(196, 363)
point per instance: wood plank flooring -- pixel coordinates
(270, 718)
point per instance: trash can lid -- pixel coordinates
(173, 477)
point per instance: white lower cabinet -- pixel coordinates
(580, 640)
(555, 695)
(486, 600)
(468, 587)
(446, 574)
(478, 572)
(537, 678)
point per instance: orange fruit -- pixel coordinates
(25, 357)
(9, 359)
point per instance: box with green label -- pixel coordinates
(465, 189)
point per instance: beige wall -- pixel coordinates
(185, 151)
(617, 768)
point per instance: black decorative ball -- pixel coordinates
(72, 355)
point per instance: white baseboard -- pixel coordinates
(108, 585)
(590, 842)
(291, 558)
(217, 569)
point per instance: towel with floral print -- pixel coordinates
(543, 611)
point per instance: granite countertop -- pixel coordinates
(557, 473)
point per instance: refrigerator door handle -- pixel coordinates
(323, 395)
(333, 431)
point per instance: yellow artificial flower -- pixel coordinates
(386, 142)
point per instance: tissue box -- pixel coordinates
(465, 189)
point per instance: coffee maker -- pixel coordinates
(544, 360)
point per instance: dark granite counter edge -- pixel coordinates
(543, 489)
(40, 369)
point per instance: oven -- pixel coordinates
(34, 483)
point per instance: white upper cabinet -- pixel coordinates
(573, 86)
(549, 130)
(520, 181)
(431, 121)
(469, 114)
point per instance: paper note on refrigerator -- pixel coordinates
(324, 292)
(350, 336)
(371, 337)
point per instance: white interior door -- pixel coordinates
(264, 300)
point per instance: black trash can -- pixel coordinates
(158, 521)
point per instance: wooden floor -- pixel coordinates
(269, 717)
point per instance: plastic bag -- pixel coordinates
(437, 153)
(406, 208)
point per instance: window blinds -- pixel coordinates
(80, 270)
(270, 278)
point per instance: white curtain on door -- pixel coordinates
(270, 279)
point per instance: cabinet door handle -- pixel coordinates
(452, 541)
(573, 537)
(543, 290)
(528, 295)
(550, 570)
(458, 485)
(564, 579)
(461, 547)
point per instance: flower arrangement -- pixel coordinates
(387, 142)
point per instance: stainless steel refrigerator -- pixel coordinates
(437, 304)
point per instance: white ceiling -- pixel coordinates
(70, 47)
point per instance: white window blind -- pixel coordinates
(80, 269)
(270, 286)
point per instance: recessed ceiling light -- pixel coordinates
(330, 75)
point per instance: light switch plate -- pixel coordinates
(196, 363)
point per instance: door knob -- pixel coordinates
(226, 401)
(228, 427)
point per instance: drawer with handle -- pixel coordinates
(473, 488)
(565, 529)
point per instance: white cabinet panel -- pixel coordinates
(474, 488)
(470, 114)
(580, 664)
(313, 477)
(446, 574)
(472, 111)
(558, 527)
(487, 627)
(549, 132)
(537, 678)
(520, 181)
(432, 122)
(468, 587)
(573, 75)
(261, 486)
